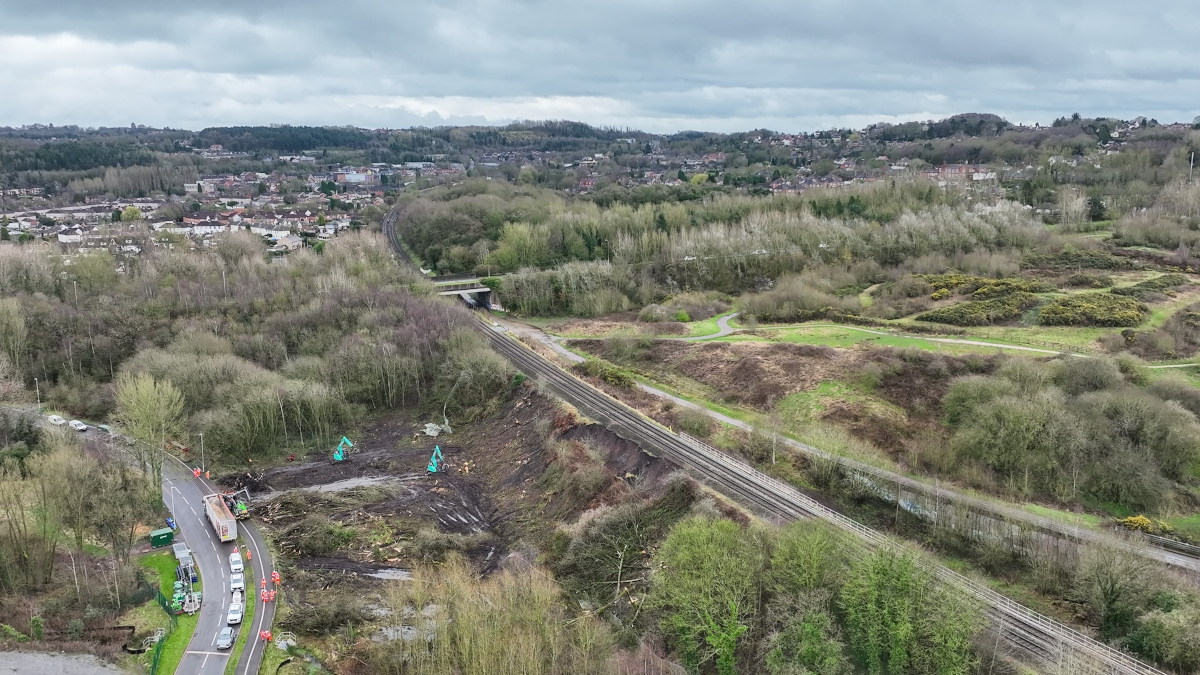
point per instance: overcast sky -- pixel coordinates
(655, 65)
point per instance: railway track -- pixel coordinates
(1032, 638)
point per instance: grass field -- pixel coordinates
(164, 563)
(705, 327)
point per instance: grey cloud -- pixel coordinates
(660, 65)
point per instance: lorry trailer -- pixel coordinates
(223, 522)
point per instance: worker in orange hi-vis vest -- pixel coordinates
(264, 584)
(268, 635)
(196, 472)
(262, 635)
(248, 557)
(276, 578)
(263, 595)
(272, 595)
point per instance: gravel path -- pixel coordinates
(34, 663)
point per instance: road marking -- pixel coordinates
(192, 510)
(197, 651)
(261, 615)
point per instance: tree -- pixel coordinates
(682, 176)
(130, 214)
(151, 412)
(898, 622)
(4, 233)
(14, 337)
(707, 585)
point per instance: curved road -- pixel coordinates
(212, 559)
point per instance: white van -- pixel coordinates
(235, 563)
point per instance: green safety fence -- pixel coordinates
(166, 606)
(156, 657)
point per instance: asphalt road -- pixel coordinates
(183, 494)
(212, 558)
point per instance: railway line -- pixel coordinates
(1028, 636)
(1032, 638)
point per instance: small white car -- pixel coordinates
(77, 425)
(235, 614)
(56, 420)
(235, 563)
(237, 581)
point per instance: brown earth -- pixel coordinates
(615, 323)
(756, 374)
(494, 489)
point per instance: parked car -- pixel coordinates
(225, 637)
(235, 614)
(235, 562)
(77, 425)
(237, 581)
(56, 420)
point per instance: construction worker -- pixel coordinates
(268, 635)
(275, 577)
(272, 595)
(262, 635)
(196, 472)
(208, 475)
(263, 595)
(264, 583)
(248, 554)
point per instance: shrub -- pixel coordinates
(605, 372)
(983, 312)
(982, 288)
(695, 422)
(1078, 376)
(654, 314)
(1093, 309)
(1089, 280)
(1070, 259)
(1147, 289)
(7, 632)
(682, 316)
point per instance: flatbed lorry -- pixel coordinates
(223, 522)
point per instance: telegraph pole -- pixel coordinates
(202, 466)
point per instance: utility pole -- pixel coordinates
(202, 467)
(39, 392)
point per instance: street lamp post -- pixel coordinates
(39, 392)
(202, 466)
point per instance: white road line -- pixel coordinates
(192, 510)
(197, 651)
(261, 567)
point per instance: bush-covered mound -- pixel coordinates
(1147, 289)
(1093, 309)
(983, 312)
(983, 288)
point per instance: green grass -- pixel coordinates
(1086, 519)
(176, 644)
(1188, 526)
(705, 327)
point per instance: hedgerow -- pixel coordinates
(983, 312)
(1093, 309)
